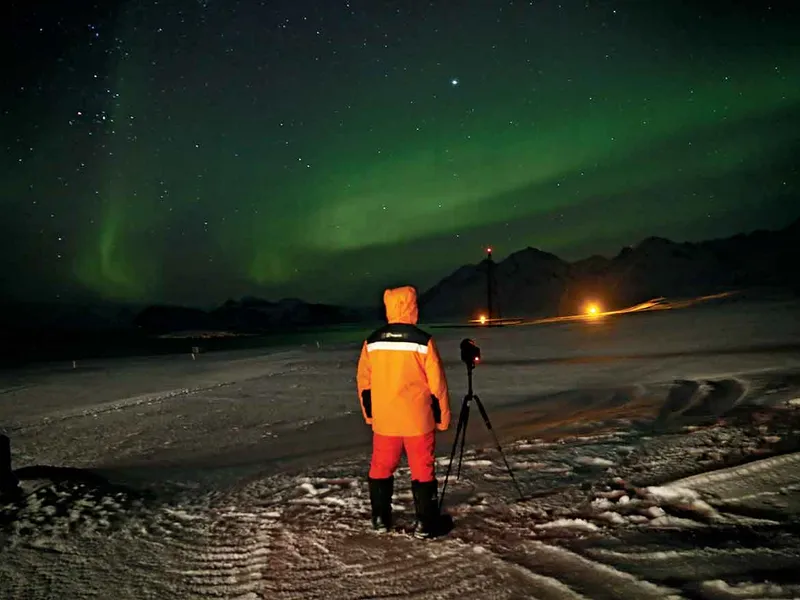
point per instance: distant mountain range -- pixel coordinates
(44, 331)
(532, 283)
(528, 283)
(248, 315)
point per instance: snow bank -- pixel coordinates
(593, 461)
(580, 524)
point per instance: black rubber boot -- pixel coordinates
(380, 497)
(426, 505)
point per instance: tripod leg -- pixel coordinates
(460, 430)
(497, 442)
(463, 439)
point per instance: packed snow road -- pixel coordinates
(659, 455)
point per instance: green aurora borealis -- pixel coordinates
(212, 150)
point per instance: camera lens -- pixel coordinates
(470, 352)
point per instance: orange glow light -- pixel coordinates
(592, 310)
(482, 319)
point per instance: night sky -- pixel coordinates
(190, 151)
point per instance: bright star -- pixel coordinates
(454, 82)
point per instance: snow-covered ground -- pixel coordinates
(659, 455)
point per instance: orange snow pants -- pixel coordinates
(387, 451)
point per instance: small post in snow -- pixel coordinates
(8, 481)
(5, 456)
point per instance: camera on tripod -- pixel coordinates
(470, 353)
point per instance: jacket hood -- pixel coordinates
(401, 305)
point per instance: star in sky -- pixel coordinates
(193, 151)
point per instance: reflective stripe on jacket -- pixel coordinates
(401, 382)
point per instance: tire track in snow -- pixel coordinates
(758, 477)
(700, 563)
(264, 552)
(581, 574)
(307, 536)
(111, 406)
(718, 589)
(322, 550)
(548, 588)
(715, 549)
(231, 376)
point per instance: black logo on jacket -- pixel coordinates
(400, 332)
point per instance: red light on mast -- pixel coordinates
(489, 250)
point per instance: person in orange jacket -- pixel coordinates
(403, 392)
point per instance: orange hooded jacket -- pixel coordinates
(401, 381)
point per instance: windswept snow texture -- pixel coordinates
(659, 455)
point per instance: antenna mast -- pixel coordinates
(489, 265)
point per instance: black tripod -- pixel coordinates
(470, 354)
